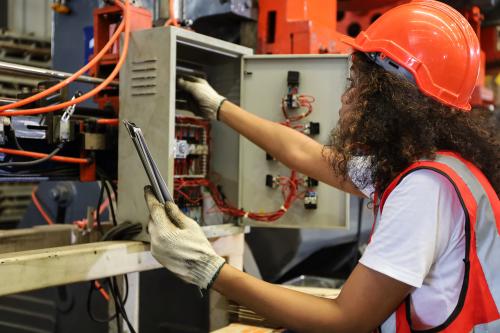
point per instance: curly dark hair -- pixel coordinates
(386, 117)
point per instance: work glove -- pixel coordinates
(179, 244)
(209, 101)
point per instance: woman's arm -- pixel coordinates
(294, 149)
(366, 300)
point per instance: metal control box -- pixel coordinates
(148, 98)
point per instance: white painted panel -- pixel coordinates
(263, 86)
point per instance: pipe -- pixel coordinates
(50, 73)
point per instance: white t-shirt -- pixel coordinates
(420, 240)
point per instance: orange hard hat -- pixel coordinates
(430, 42)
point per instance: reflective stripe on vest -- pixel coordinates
(478, 307)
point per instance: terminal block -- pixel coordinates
(272, 181)
(311, 182)
(292, 100)
(311, 128)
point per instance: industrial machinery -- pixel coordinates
(44, 140)
(312, 26)
(218, 178)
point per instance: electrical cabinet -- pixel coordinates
(236, 168)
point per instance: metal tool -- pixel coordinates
(159, 186)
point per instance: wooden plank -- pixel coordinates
(29, 270)
(35, 238)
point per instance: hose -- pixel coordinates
(91, 93)
(34, 162)
(54, 158)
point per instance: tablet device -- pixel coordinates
(155, 179)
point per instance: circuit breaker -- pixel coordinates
(219, 178)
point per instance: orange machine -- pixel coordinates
(297, 26)
(106, 20)
(315, 26)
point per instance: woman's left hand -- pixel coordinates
(179, 244)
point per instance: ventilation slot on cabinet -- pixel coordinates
(143, 78)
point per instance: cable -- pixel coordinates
(92, 92)
(73, 77)
(119, 303)
(34, 162)
(16, 142)
(55, 158)
(111, 122)
(304, 101)
(82, 224)
(40, 208)
(123, 231)
(59, 172)
(289, 191)
(99, 203)
(93, 287)
(108, 193)
(106, 177)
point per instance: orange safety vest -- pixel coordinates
(478, 307)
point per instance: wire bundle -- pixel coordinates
(305, 101)
(11, 111)
(289, 190)
(7, 110)
(122, 231)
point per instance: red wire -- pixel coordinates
(54, 158)
(304, 101)
(101, 290)
(225, 208)
(39, 207)
(111, 122)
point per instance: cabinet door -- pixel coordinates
(264, 85)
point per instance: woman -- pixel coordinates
(406, 139)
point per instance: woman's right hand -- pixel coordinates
(209, 101)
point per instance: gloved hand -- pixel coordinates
(179, 244)
(208, 99)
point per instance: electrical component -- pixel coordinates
(269, 157)
(292, 100)
(191, 148)
(3, 136)
(191, 164)
(181, 149)
(311, 128)
(311, 200)
(272, 181)
(64, 124)
(311, 182)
